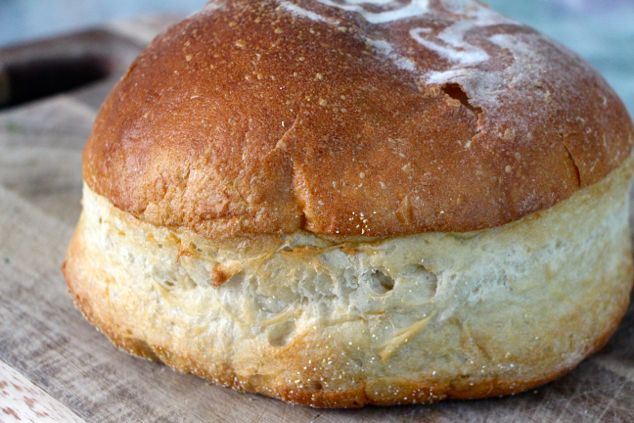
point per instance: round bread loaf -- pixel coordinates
(341, 203)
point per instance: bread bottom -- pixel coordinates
(334, 322)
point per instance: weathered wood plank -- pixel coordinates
(59, 121)
(40, 153)
(35, 174)
(22, 401)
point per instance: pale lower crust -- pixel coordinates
(407, 392)
(577, 292)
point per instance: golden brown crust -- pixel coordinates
(250, 117)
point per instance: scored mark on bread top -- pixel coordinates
(461, 39)
(405, 10)
(449, 42)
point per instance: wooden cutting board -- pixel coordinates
(56, 367)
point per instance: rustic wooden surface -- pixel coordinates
(56, 367)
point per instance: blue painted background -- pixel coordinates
(602, 31)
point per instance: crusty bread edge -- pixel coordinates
(422, 392)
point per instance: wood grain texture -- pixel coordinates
(21, 400)
(46, 345)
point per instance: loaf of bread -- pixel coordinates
(342, 203)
